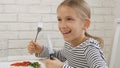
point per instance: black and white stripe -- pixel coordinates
(85, 55)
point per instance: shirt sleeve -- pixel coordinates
(95, 58)
(44, 53)
(57, 53)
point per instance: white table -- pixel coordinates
(13, 59)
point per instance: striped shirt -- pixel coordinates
(86, 55)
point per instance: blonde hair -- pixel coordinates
(83, 10)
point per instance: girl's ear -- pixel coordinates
(87, 23)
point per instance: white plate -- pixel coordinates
(7, 64)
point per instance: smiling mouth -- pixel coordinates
(67, 32)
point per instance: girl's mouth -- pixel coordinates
(66, 32)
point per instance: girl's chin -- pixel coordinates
(67, 39)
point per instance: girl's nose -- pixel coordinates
(63, 25)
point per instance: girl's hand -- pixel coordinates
(34, 47)
(53, 63)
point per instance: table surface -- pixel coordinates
(13, 59)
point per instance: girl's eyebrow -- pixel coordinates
(68, 16)
(65, 16)
(58, 17)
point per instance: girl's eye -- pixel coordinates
(69, 19)
(59, 19)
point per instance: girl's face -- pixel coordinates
(70, 24)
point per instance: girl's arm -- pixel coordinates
(57, 53)
(95, 58)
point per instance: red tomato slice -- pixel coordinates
(24, 63)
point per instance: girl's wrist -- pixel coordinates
(61, 66)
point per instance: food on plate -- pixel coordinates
(35, 65)
(26, 63)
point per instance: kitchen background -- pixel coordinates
(19, 18)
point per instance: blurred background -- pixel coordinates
(19, 19)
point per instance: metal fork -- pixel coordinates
(39, 28)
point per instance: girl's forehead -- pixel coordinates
(66, 10)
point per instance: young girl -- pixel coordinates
(81, 50)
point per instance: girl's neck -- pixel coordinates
(78, 41)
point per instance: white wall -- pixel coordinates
(117, 8)
(18, 21)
